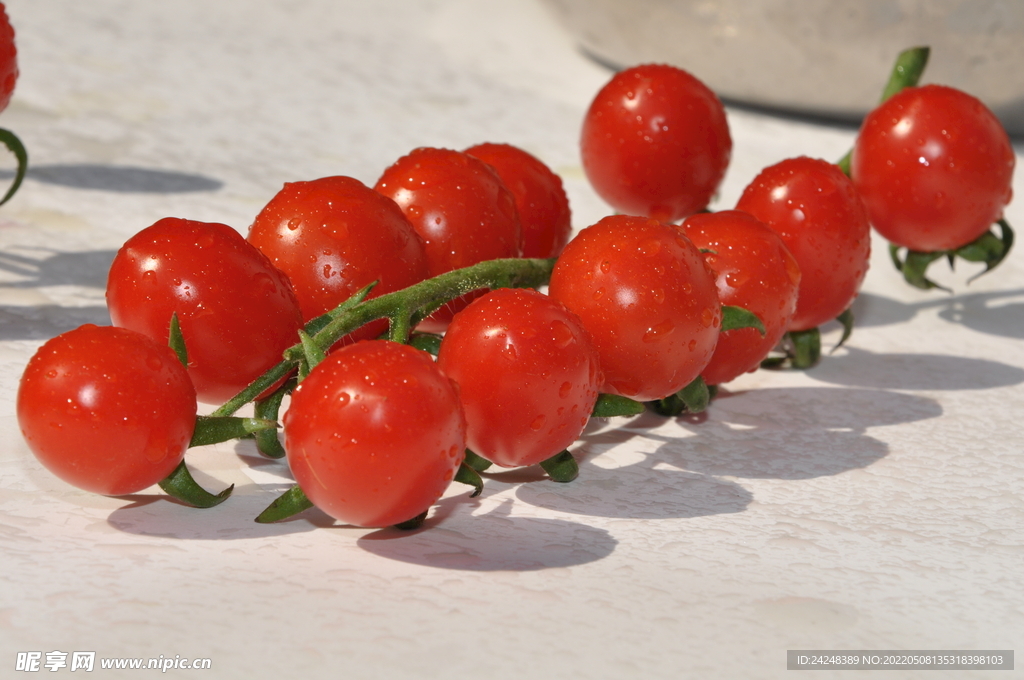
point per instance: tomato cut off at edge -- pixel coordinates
(106, 409)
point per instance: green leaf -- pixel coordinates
(216, 429)
(14, 145)
(915, 265)
(476, 461)
(182, 486)
(176, 340)
(612, 405)
(734, 318)
(694, 398)
(988, 248)
(290, 503)
(561, 467)
(467, 475)
(846, 319)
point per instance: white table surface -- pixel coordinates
(874, 502)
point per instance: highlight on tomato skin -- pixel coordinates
(460, 208)
(333, 236)
(655, 142)
(934, 167)
(237, 312)
(375, 433)
(648, 299)
(541, 201)
(814, 207)
(106, 409)
(755, 271)
(528, 375)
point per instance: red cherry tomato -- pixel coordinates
(8, 59)
(527, 373)
(107, 409)
(332, 237)
(541, 201)
(934, 167)
(460, 207)
(755, 271)
(375, 433)
(813, 206)
(236, 311)
(656, 142)
(648, 300)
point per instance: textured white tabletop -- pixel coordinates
(874, 502)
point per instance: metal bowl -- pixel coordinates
(810, 57)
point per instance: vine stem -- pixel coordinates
(403, 308)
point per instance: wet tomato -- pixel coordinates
(236, 310)
(648, 300)
(333, 236)
(541, 201)
(814, 207)
(755, 271)
(934, 167)
(656, 142)
(375, 433)
(527, 372)
(107, 409)
(8, 59)
(462, 210)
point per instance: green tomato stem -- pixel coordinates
(216, 429)
(290, 503)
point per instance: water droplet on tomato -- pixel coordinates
(650, 247)
(565, 389)
(509, 351)
(538, 422)
(692, 344)
(154, 362)
(658, 295)
(606, 266)
(293, 224)
(661, 330)
(599, 293)
(343, 399)
(149, 276)
(707, 317)
(561, 334)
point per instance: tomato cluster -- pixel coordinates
(405, 329)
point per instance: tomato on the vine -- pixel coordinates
(648, 300)
(333, 236)
(8, 59)
(460, 207)
(755, 271)
(814, 207)
(541, 201)
(656, 142)
(934, 167)
(237, 312)
(107, 409)
(527, 372)
(375, 433)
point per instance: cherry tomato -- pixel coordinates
(332, 237)
(656, 142)
(813, 206)
(648, 300)
(107, 409)
(934, 168)
(236, 311)
(8, 59)
(462, 210)
(375, 433)
(527, 373)
(541, 201)
(755, 271)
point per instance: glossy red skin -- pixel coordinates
(813, 206)
(375, 433)
(8, 59)
(648, 300)
(236, 311)
(934, 167)
(460, 208)
(541, 201)
(754, 270)
(333, 236)
(656, 142)
(527, 372)
(106, 409)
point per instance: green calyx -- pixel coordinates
(989, 249)
(14, 145)
(180, 484)
(694, 398)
